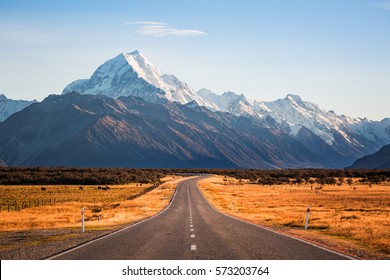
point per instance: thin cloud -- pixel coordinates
(162, 29)
(382, 5)
(146, 23)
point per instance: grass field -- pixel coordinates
(354, 219)
(62, 205)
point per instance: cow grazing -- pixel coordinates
(43, 189)
(81, 188)
(99, 188)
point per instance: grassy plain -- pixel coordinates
(352, 219)
(37, 232)
(103, 208)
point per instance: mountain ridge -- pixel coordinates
(96, 130)
(345, 138)
(331, 139)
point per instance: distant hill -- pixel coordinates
(378, 160)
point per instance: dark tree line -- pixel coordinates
(76, 176)
(109, 176)
(311, 176)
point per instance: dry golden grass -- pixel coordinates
(348, 217)
(112, 206)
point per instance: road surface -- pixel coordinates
(191, 229)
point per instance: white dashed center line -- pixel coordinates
(193, 247)
(189, 204)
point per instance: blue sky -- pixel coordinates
(335, 53)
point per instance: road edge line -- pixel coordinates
(119, 230)
(273, 231)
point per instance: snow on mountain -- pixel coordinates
(132, 74)
(230, 102)
(372, 130)
(297, 112)
(328, 125)
(9, 106)
(348, 136)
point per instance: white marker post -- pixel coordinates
(307, 216)
(82, 220)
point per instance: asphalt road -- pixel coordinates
(191, 229)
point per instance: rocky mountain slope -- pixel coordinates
(88, 130)
(320, 138)
(337, 138)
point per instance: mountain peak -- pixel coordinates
(133, 74)
(232, 94)
(294, 97)
(3, 97)
(134, 52)
(145, 69)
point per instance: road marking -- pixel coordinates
(193, 247)
(189, 203)
(192, 235)
(122, 229)
(191, 225)
(270, 230)
(192, 229)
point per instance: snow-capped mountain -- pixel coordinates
(346, 137)
(9, 106)
(131, 74)
(337, 139)
(88, 130)
(230, 102)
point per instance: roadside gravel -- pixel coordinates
(40, 244)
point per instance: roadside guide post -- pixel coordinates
(82, 220)
(307, 216)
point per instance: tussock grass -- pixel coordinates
(356, 215)
(112, 206)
